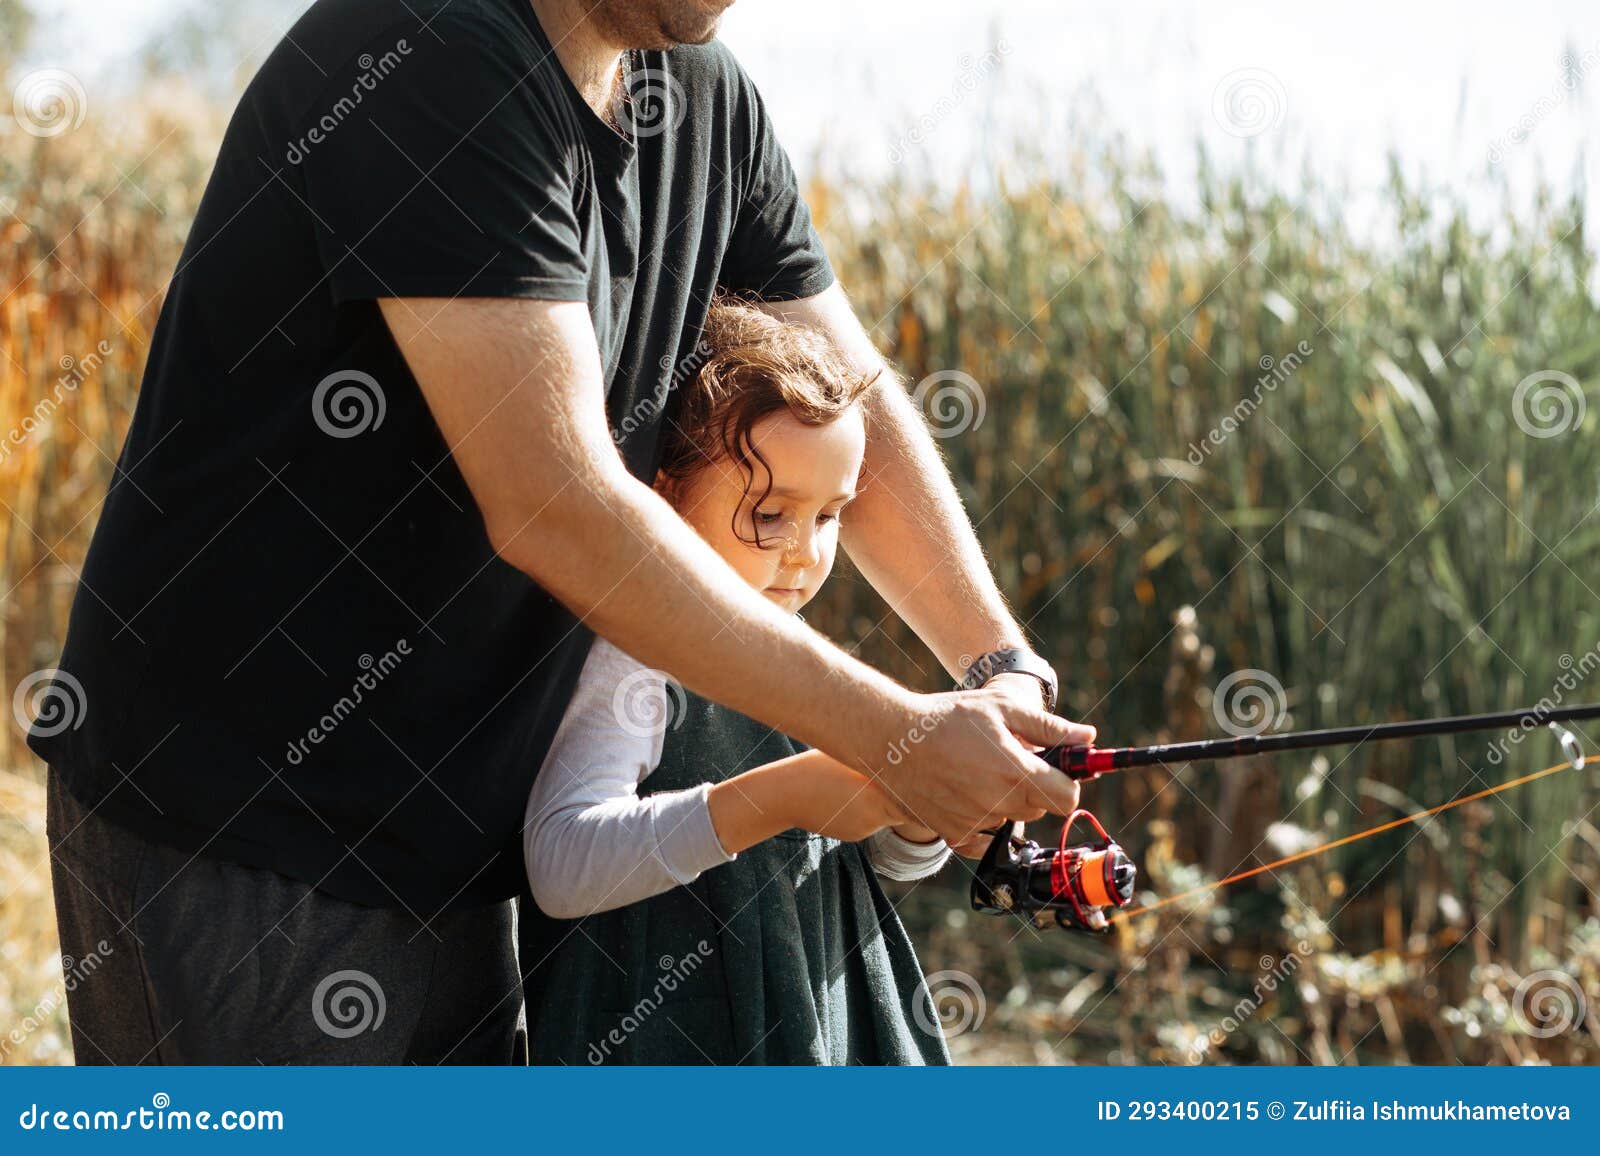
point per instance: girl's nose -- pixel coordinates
(804, 550)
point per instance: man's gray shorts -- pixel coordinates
(172, 958)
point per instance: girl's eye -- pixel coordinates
(768, 518)
(827, 517)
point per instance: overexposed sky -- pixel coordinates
(930, 85)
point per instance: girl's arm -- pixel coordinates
(591, 843)
(821, 794)
(809, 790)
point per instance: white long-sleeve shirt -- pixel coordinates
(590, 842)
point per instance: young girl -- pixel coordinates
(710, 883)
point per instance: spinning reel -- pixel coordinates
(1070, 886)
(1074, 887)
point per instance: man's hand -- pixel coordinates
(1028, 692)
(965, 766)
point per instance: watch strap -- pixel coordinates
(1011, 660)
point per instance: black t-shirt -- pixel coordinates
(293, 646)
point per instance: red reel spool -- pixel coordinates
(1091, 877)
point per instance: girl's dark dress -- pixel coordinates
(790, 954)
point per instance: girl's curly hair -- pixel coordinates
(753, 365)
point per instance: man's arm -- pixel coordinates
(517, 390)
(907, 530)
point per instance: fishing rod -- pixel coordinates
(1082, 763)
(1082, 887)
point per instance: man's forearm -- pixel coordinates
(618, 555)
(516, 389)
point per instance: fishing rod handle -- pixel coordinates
(1082, 763)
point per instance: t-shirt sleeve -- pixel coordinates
(451, 174)
(773, 251)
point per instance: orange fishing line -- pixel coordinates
(1368, 833)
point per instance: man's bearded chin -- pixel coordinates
(661, 24)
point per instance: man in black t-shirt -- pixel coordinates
(371, 511)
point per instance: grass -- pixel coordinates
(1376, 532)
(32, 1000)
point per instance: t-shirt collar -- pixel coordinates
(604, 140)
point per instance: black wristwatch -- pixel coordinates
(987, 666)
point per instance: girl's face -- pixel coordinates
(814, 473)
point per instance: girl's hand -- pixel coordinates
(810, 791)
(915, 833)
(975, 847)
(831, 799)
